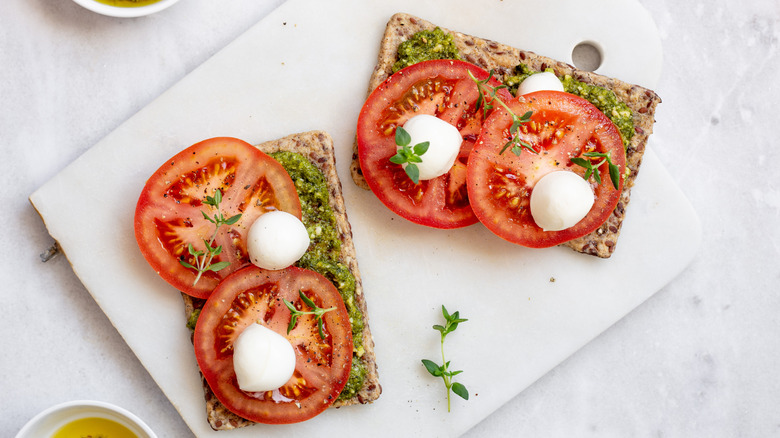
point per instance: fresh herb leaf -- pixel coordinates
(402, 137)
(409, 155)
(316, 311)
(592, 169)
(515, 143)
(614, 175)
(443, 371)
(217, 266)
(203, 258)
(460, 390)
(432, 367)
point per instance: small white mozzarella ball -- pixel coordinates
(444, 139)
(276, 240)
(262, 359)
(538, 82)
(560, 199)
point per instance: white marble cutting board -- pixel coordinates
(305, 67)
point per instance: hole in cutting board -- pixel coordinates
(587, 56)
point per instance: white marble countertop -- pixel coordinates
(700, 358)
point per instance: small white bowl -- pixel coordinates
(49, 421)
(118, 11)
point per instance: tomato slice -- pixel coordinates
(170, 211)
(563, 126)
(256, 295)
(442, 88)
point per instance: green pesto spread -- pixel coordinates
(605, 100)
(425, 46)
(324, 250)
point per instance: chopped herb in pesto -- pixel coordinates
(325, 249)
(357, 375)
(424, 46)
(605, 100)
(521, 73)
(193, 319)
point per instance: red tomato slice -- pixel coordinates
(322, 365)
(169, 213)
(442, 88)
(563, 126)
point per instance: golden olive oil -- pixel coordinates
(94, 427)
(127, 3)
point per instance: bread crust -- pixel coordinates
(502, 59)
(317, 146)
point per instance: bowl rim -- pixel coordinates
(116, 11)
(63, 407)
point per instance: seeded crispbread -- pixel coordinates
(502, 59)
(317, 146)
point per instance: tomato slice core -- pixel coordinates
(562, 127)
(170, 211)
(441, 88)
(322, 365)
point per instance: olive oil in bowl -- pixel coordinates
(127, 3)
(94, 427)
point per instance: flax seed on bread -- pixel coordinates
(317, 146)
(502, 59)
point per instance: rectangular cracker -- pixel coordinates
(502, 59)
(317, 146)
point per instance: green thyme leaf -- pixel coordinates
(316, 311)
(582, 162)
(421, 148)
(217, 266)
(402, 137)
(203, 261)
(460, 390)
(592, 169)
(413, 172)
(443, 371)
(293, 321)
(306, 300)
(398, 159)
(408, 155)
(191, 250)
(486, 103)
(432, 367)
(614, 175)
(233, 219)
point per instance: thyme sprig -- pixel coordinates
(443, 371)
(592, 169)
(316, 311)
(203, 258)
(408, 154)
(487, 104)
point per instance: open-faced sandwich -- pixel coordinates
(541, 153)
(258, 242)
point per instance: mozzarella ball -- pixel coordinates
(560, 199)
(276, 240)
(444, 139)
(540, 81)
(262, 359)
